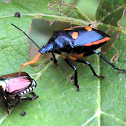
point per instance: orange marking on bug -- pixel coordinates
(71, 57)
(74, 35)
(64, 57)
(68, 29)
(30, 62)
(88, 28)
(79, 55)
(97, 42)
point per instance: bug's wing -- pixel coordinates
(88, 37)
(18, 83)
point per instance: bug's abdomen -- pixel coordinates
(86, 49)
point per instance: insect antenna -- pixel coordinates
(26, 35)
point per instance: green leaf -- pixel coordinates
(110, 12)
(99, 102)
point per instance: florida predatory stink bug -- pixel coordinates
(78, 42)
(14, 87)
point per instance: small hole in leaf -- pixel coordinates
(115, 57)
(71, 78)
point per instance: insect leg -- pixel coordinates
(109, 62)
(34, 95)
(6, 103)
(54, 58)
(88, 63)
(26, 98)
(19, 99)
(30, 98)
(75, 69)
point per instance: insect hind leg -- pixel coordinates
(75, 71)
(34, 96)
(92, 69)
(54, 58)
(85, 62)
(111, 64)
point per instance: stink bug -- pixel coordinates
(14, 87)
(78, 42)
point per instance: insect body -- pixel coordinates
(78, 42)
(14, 87)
